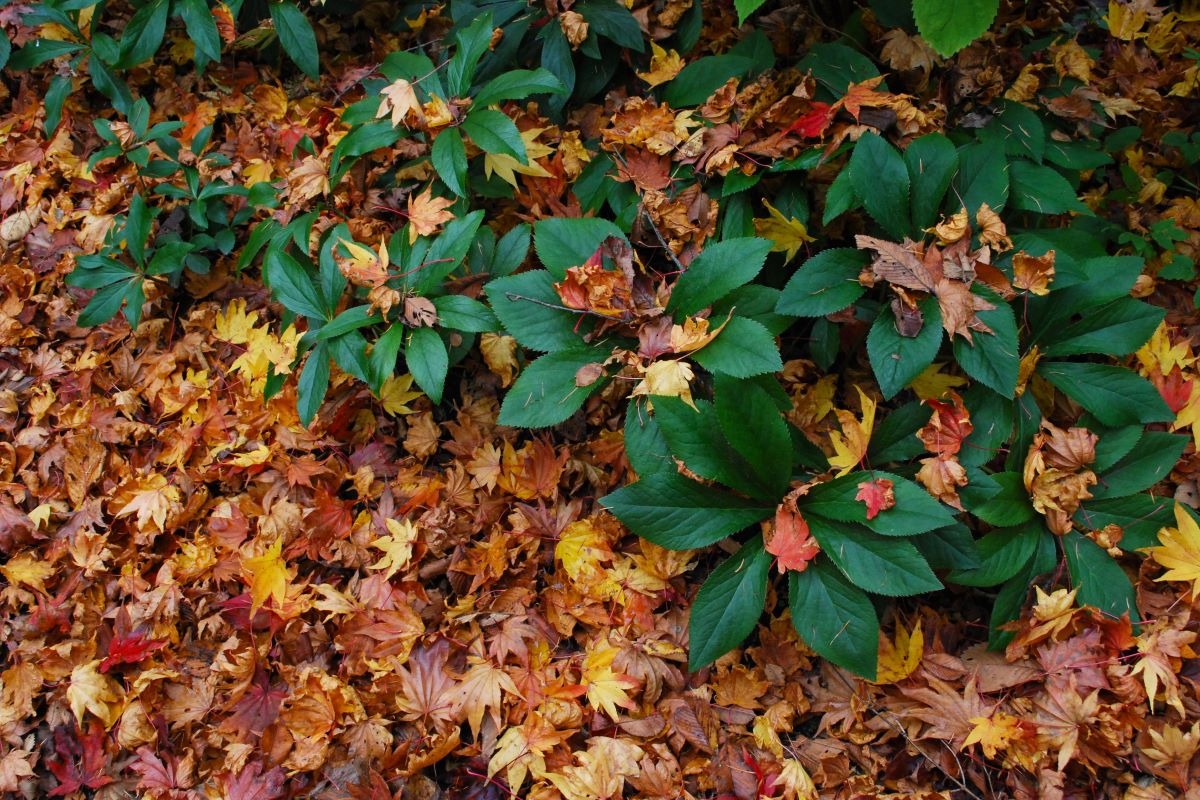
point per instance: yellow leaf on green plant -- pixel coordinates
(1180, 550)
(788, 235)
(850, 446)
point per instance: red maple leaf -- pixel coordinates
(813, 124)
(1174, 389)
(791, 544)
(878, 496)
(254, 784)
(79, 760)
(129, 648)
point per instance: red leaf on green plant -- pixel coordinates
(878, 496)
(791, 543)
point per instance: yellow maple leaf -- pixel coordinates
(398, 99)
(1189, 415)
(508, 167)
(898, 660)
(234, 324)
(427, 213)
(796, 779)
(482, 690)
(90, 690)
(28, 570)
(994, 733)
(365, 267)
(669, 379)
(396, 547)
(268, 575)
(581, 547)
(850, 445)
(1180, 550)
(788, 235)
(606, 689)
(396, 394)
(147, 496)
(664, 66)
(932, 383)
(1159, 353)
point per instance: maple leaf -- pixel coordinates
(899, 659)
(426, 213)
(79, 760)
(399, 99)
(26, 569)
(788, 235)
(396, 547)
(521, 750)
(850, 445)
(364, 267)
(253, 783)
(307, 180)
(149, 497)
(949, 231)
(269, 576)
(932, 383)
(664, 66)
(234, 324)
(15, 765)
(606, 689)
(878, 495)
(948, 426)
(1033, 273)
(602, 770)
(996, 732)
(1179, 550)
(790, 541)
(481, 690)
(581, 547)
(813, 124)
(667, 378)
(396, 394)
(508, 167)
(694, 334)
(91, 691)
(129, 649)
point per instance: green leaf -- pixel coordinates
(746, 7)
(992, 418)
(743, 349)
(105, 303)
(931, 161)
(1115, 395)
(836, 66)
(461, 313)
(718, 270)
(645, 446)
(313, 384)
(750, 421)
(533, 313)
(827, 282)
(5, 49)
(1020, 129)
(471, 45)
(1114, 444)
(693, 436)
(696, 82)
(494, 132)
(680, 514)
(883, 565)
(949, 27)
(1042, 189)
(1007, 508)
(896, 360)
(614, 22)
(296, 37)
(1140, 516)
(835, 618)
(545, 394)
(56, 96)
(201, 28)
(951, 547)
(840, 198)
(137, 228)
(728, 606)
(982, 177)
(1147, 463)
(880, 178)
(349, 351)
(291, 284)
(144, 33)
(915, 510)
(992, 358)
(895, 436)
(449, 158)
(1013, 594)
(351, 319)
(383, 356)
(39, 51)
(358, 142)
(1100, 580)
(1002, 553)
(518, 84)
(565, 242)
(427, 360)
(444, 255)
(1115, 329)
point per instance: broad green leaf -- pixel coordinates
(835, 618)
(1100, 580)
(532, 312)
(518, 84)
(1114, 395)
(696, 82)
(915, 510)
(880, 179)
(897, 359)
(949, 27)
(1007, 508)
(836, 66)
(56, 96)
(743, 349)
(493, 132)
(444, 255)
(565, 242)
(472, 43)
(645, 446)
(1042, 189)
(746, 7)
(931, 161)
(357, 143)
(1002, 553)
(992, 358)
(461, 313)
(750, 421)
(729, 604)
(614, 22)
(296, 37)
(992, 418)
(895, 436)
(1013, 594)
(1114, 444)
(982, 177)
(349, 351)
(718, 270)
(137, 228)
(383, 356)
(1148, 462)
(753, 301)
(351, 319)
(201, 28)
(883, 565)
(427, 360)
(694, 437)
(39, 51)
(827, 282)
(1115, 329)
(144, 33)
(1020, 129)
(951, 547)
(449, 158)
(545, 394)
(291, 284)
(680, 514)
(105, 303)
(1140, 517)
(313, 384)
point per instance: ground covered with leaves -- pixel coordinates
(203, 596)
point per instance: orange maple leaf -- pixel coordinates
(427, 213)
(792, 543)
(877, 494)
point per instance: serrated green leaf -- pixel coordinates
(718, 270)
(949, 27)
(880, 179)
(545, 393)
(1114, 395)
(826, 283)
(727, 607)
(896, 360)
(743, 349)
(835, 618)
(879, 564)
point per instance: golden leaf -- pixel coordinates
(396, 394)
(1179, 550)
(269, 576)
(664, 66)
(426, 214)
(788, 235)
(850, 445)
(92, 691)
(396, 547)
(898, 660)
(667, 378)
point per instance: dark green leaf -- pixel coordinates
(291, 284)
(895, 436)
(449, 158)
(1042, 189)
(105, 303)
(1013, 594)
(645, 446)
(1020, 129)
(694, 437)
(427, 360)
(144, 33)
(351, 319)
(915, 510)
(951, 547)
(743, 349)
(827, 282)
(719, 269)
(313, 384)
(728, 605)
(680, 514)
(1147, 463)
(883, 565)
(565, 242)
(1100, 580)
(982, 177)
(532, 312)
(1115, 395)
(461, 313)
(1116, 329)
(614, 22)
(296, 37)
(896, 360)
(1002, 553)
(931, 162)
(880, 178)
(545, 393)
(39, 51)
(835, 618)
(1007, 508)
(992, 358)
(494, 132)
(696, 82)
(518, 84)
(751, 423)
(56, 95)
(201, 28)
(1140, 517)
